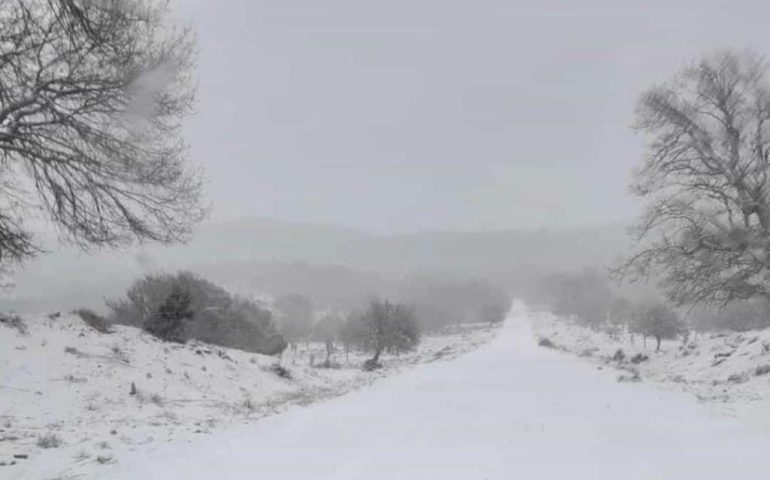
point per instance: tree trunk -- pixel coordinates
(376, 358)
(657, 347)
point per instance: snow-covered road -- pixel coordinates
(508, 410)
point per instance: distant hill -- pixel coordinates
(314, 259)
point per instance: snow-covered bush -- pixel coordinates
(168, 322)
(94, 320)
(546, 342)
(216, 316)
(49, 440)
(15, 322)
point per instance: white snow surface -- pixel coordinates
(507, 410)
(64, 381)
(729, 372)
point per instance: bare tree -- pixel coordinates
(706, 230)
(657, 320)
(92, 96)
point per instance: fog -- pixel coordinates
(408, 116)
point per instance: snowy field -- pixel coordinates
(508, 410)
(729, 372)
(68, 408)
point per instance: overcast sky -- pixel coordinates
(404, 115)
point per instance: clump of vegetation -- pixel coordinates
(738, 378)
(194, 308)
(72, 351)
(247, 405)
(94, 320)
(546, 342)
(762, 370)
(639, 358)
(49, 440)
(630, 378)
(168, 322)
(280, 370)
(15, 322)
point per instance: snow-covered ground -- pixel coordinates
(508, 410)
(67, 408)
(729, 372)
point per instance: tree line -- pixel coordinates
(184, 306)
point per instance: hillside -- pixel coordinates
(727, 371)
(325, 261)
(76, 398)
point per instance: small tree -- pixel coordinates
(168, 323)
(659, 321)
(390, 327)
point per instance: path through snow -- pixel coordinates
(508, 410)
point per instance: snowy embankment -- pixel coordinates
(507, 410)
(72, 398)
(728, 371)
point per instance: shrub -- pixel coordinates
(762, 370)
(217, 317)
(371, 365)
(15, 322)
(168, 323)
(546, 342)
(94, 320)
(280, 370)
(632, 378)
(639, 358)
(49, 440)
